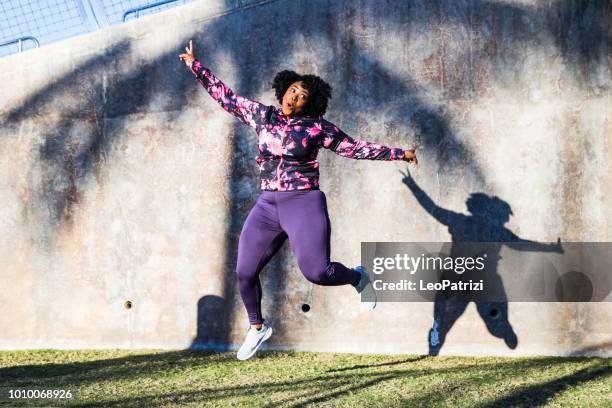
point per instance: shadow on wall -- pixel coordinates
(74, 148)
(577, 29)
(70, 151)
(594, 350)
(93, 104)
(212, 326)
(485, 224)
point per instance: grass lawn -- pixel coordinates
(183, 378)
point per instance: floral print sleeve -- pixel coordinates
(344, 145)
(250, 112)
(288, 145)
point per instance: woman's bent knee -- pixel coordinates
(318, 276)
(246, 275)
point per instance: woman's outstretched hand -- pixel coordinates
(189, 56)
(410, 155)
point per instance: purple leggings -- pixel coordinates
(301, 216)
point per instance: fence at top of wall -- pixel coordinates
(25, 24)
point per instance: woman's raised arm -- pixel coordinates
(248, 111)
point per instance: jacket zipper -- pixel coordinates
(278, 179)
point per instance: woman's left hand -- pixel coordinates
(410, 155)
(189, 56)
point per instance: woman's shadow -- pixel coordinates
(484, 224)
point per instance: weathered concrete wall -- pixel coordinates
(121, 180)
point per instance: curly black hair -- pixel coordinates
(319, 91)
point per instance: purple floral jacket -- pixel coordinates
(288, 145)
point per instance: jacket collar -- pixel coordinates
(281, 116)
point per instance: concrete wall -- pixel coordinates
(121, 180)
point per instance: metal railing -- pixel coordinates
(35, 23)
(137, 10)
(20, 41)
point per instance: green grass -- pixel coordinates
(184, 378)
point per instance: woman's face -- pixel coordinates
(295, 99)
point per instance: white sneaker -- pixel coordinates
(253, 340)
(365, 289)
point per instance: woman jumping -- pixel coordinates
(291, 204)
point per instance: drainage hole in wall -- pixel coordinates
(128, 304)
(305, 307)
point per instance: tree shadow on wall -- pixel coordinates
(352, 63)
(485, 224)
(72, 149)
(75, 148)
